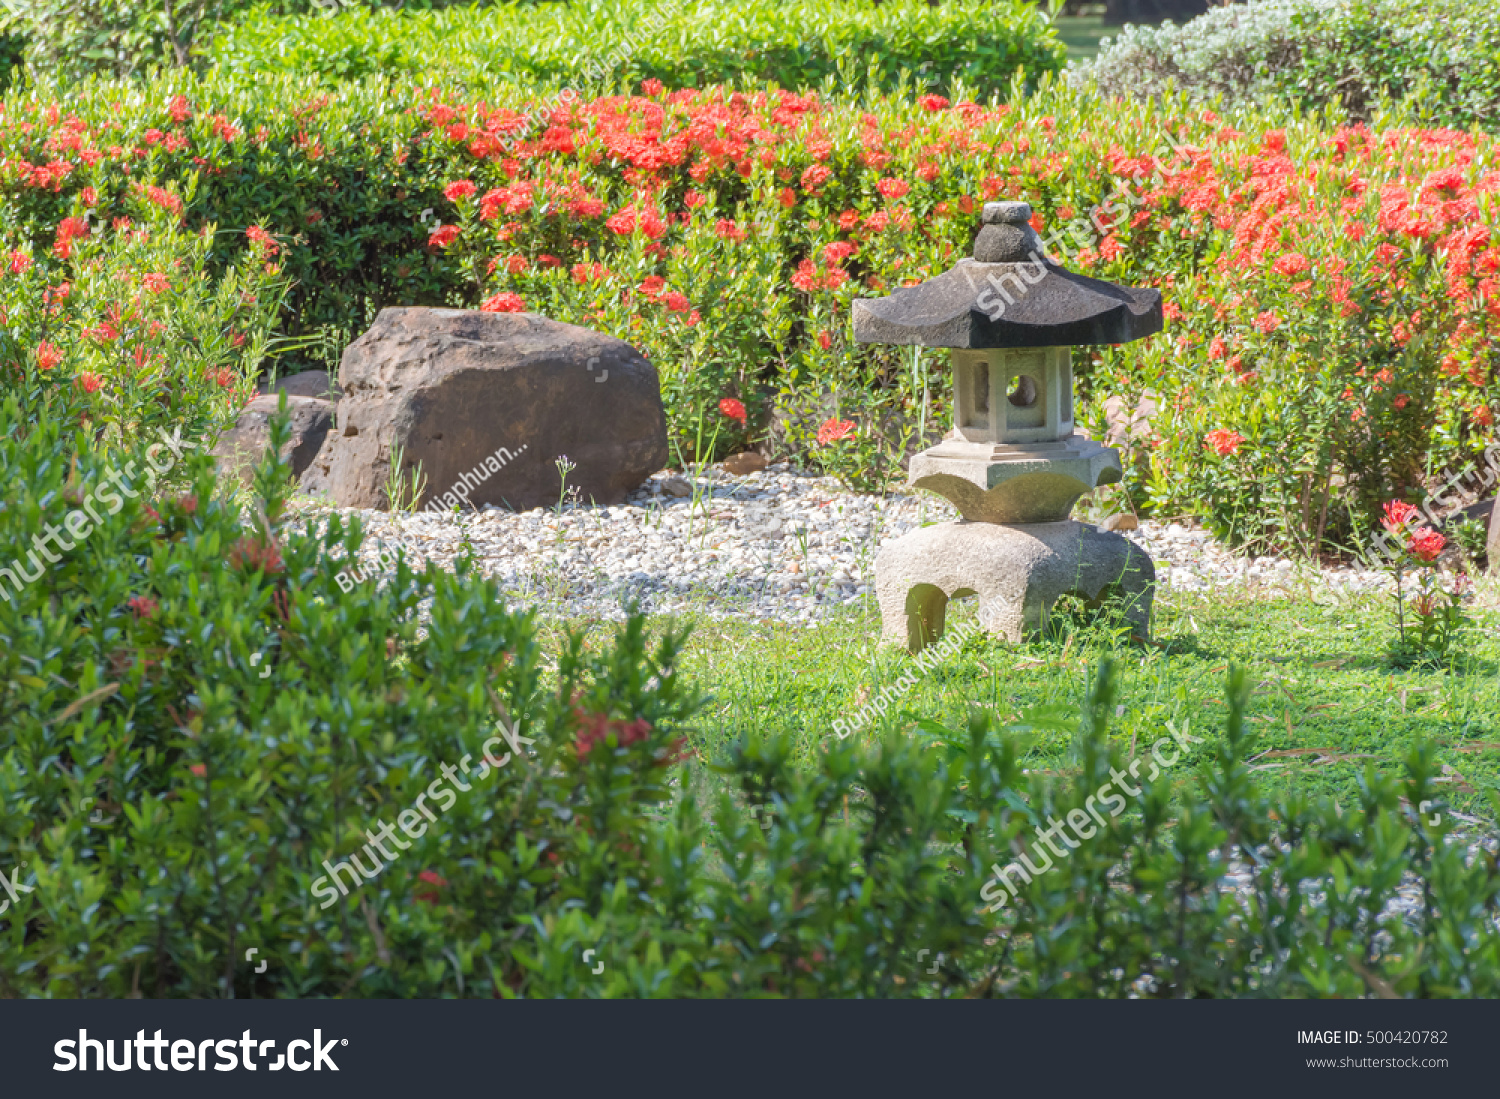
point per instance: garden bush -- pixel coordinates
(1441, 56)
(203, 725)
(123, 327)
(78, 38)
(1330, 291)
(595, 45)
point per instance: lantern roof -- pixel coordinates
(1009, 295)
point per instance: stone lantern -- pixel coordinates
(1013, 465)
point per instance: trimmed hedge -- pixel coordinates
(600, 44)
(1441, 56)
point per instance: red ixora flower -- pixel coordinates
(143, 606)
(431, 877)
(155, 283)
(461, 188)
(251, 553)
(1397, 514)
(47, 355)
(261, 240)
(89, 382)
(597, 727)
(506, 302)
(733, 409)
(1223, 441)
(442, 236)
(834, 429)
(1426, 543)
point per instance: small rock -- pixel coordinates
(1123, 521)
(241, 448)
(744, 463)
(676, 486)
(309, 383)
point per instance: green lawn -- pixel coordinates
(1081, 35)
(1322, 684)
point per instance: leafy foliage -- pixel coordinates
(1441, 56)
(124, 327)
(597, 45)
(203, 725)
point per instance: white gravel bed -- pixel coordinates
(778, 544)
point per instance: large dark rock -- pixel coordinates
(241, 448)
(487, 403)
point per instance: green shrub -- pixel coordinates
(202, 725)
(72, 39)
(596, 45)
(122, 326)
(1441, 56)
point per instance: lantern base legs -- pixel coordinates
(1017, 572)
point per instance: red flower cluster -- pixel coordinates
(1426, 543)
(504, 303)
(430, 877)
(143, 606)
(733, 409)
(596, 729)
(834, 429)
(1423, 543)
(1397, 514)
(261, 240)
(442, 236)
(461, 189)
(250, 554)
(1223, 441)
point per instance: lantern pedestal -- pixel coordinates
(1017, 571)
(1022, 483)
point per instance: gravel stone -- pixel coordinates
(777, 544)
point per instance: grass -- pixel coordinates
(1081, 34)
(1326, 704)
